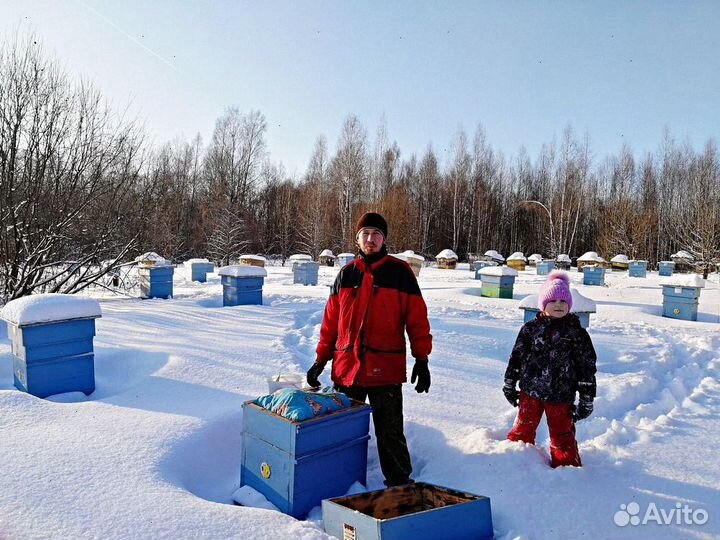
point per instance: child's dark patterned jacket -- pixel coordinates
(552, 359)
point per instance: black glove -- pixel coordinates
(313, 373)
(583, 409)
(421, 372)
(511, 394)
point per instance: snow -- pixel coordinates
(190, 262)
(683, 280)
(410, 254)
(590, 256)
(300, 257)
(517, 256)
(494, 255)
(49, 307)
(563, 258)
(682, 255)
(152, 259)
(620, 259)
(446, 254)
(580, 304)
(242, 270)
(155, 451)
(345, 255)
(327, 253)
(252, 258)
(498, 271)
(535, 257)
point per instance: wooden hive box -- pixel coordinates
(543, 268)
(666, 268)
(681, 302)
(416, 511)
(637, 269)
(593, 275)
(306, 273)
(296, 465)
(54, 357)
(156, 281)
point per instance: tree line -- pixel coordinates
(83, 192)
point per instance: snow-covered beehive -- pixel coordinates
(534, 259)
(563, 261)
(543, 268)
(326, 258)
(413, 259)
(198, 269)
(299, 257)
(242, 284)
(305, 272)
(155, 275)
(252, 260)
(637, 268)
(681, 295)
(684, 262)
(52, 343)
(345, 258)
(593, 274)
(666, 268)
(446, 259)
(589, 258)
(497, 281)
(619, 263)
(494, 256)
(582, 306)
(517, 261)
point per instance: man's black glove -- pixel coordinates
(313, 373)
(583, 409)
(421, 372)
(511, 394)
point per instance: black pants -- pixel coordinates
(387, 413)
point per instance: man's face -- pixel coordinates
(370, 240)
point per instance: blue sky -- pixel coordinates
(620, 71)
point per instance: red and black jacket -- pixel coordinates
(373, 302)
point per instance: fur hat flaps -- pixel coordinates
(374, 220)
(556, 287)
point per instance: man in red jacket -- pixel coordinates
(376, 299)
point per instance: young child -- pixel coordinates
(553, 358)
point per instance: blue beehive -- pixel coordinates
(681, 302)
(52, 343)
(197, 269)
(156, 281)
(593, 275)
(296, 465)
(666, 268)
(637, 268)
(479, 265)
(345, 258)
(497, 281)
(306, 273)
(242, 284)
(543, 268)
(419, 511)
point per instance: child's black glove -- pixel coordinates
(421, 372)
(511, 394)
(583, 409)
(313, 373)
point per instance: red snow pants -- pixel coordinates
(563, 446)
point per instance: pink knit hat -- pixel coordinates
(556, 287)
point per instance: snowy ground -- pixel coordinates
(155, 451)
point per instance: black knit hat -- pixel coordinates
(372, 219)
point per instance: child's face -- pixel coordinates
(556, 309)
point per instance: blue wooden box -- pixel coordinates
(666, 268)
(417, 511)
(296, 465)
(54, 357)
(156, 281)
(543, 268)
(242, 290)
(306, 273)
(637, 268)
(681, 302)
(479, 265)
(199, 271)
(497, 286)
(593, 275)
